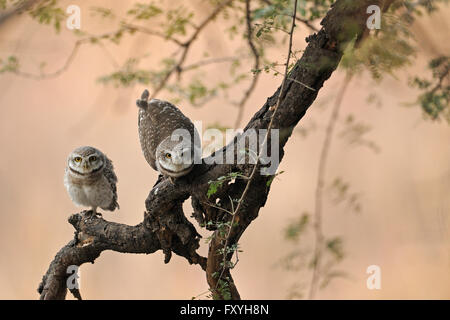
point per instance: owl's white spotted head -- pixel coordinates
(174, 158)
(85, 161)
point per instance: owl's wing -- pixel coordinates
(109, 174)
(162, 107)
(155, 108)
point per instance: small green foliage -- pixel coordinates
(196, 92)
(115, 37)
(374, 99)
(213, 187)
(435, 99)
(316, 9)
(144, 11)
(354, 133)
(300, 233)
(383, 52)
(329, 276)
(10, 65)
(230, 249)
(223, 227)
(223, 290)
(340, 191)
(335, 246)
(269, 182)
(128, 75)
(279, 11)
(295, 229)
(47, 12)
(102, 12)
(216, 184)
(415, 8)
(176, 21)
(296, 290)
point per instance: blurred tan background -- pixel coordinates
(403, 226)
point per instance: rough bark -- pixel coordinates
(165, 226)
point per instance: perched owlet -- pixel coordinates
(90, 179)
(169, 140)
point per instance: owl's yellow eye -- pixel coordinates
(77, 159)
(168, 155)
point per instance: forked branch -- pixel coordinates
(165, 226)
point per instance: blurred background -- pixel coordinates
(403, 189)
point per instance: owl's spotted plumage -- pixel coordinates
(158, 121)
(90, 179)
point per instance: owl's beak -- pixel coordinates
(86, 165)
(177, 160)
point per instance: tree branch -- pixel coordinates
(178, 67)
(320, 184)
(256, 64)
(299, 19)
(165, 226)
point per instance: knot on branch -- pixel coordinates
(164, 216)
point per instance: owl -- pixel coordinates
(169, 141)
(90, 179)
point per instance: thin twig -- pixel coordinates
(247, 187)
(272, 27)
(210, 61)
(109, 55)
(178, 67)
(65, 66)
(219, 208)
(142, 29)
(255, 54)
(319, 237)
(292, 79)
(70, 58)
(130, 27)
(305, 22)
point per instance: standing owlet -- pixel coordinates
(169, 140)
(90, 179)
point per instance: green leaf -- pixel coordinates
(142, 11)
(297, 228)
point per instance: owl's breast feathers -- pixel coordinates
(97, 189)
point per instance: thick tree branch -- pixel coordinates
(93, 235)
(165, 226)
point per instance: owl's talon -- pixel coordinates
(88, 213)
(91, 214)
